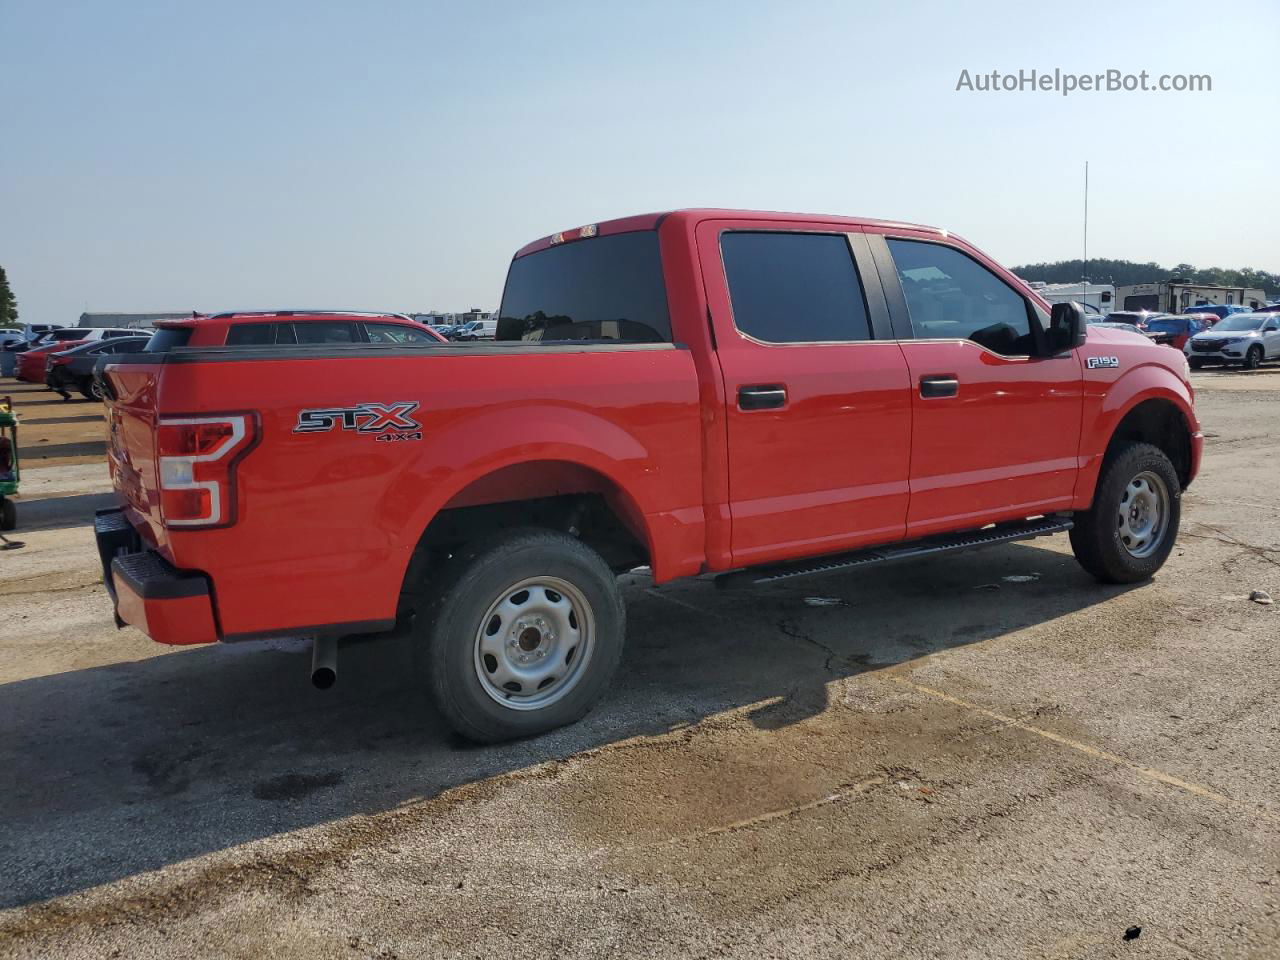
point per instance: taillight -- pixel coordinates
(197, 457)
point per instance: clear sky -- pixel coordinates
(384, 155)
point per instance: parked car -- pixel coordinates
(1219, 310)
(1244, 338)
(1116, 325)
(476, 330)
(1135, 318)
(444, 329)
(1173, 330)
(1207, 320)
(289, 328)
(759, 395)
(72, 369)
(31, 363)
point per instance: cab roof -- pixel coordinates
(651, 221)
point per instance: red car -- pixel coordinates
(758, 395)
(31, 365)
(292, 328)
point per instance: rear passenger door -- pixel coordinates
(996, 423)
(817, 393)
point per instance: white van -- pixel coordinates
(477, 330)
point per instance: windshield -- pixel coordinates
(1241, 321)
(602, 288)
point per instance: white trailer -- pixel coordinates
(1094, 297)
(1181, 296)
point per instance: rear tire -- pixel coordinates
(1128, 533)
(520, 634)
(1253, 358)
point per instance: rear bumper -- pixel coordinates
(167, 604)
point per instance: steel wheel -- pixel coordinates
(1143, 515)
(534, 643)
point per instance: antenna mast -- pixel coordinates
(1084, 268)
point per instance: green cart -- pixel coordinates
(9, 472)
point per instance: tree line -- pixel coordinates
(8, 304)
(1125, 272)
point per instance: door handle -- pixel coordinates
(931, 387)
(768, 396)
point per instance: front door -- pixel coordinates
(817, 391)
(996, 424)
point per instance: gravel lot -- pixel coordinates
(940, 763)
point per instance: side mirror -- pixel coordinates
(1067, 327)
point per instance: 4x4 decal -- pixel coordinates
(388, 420)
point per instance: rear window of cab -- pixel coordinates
(606, 288)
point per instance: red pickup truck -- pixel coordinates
(757, 395)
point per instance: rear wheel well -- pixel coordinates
(1161, 424)
(602, 517)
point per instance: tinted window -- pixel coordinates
(794, 287)
(326, 331)
(251, 334)
(397, 333)
(168, 338)
(601, 288)
(951, 296)
(132, 345)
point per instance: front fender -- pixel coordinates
(1108, 402)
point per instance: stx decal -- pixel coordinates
(365, 418)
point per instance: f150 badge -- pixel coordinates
(387, 421)
(1096, 362)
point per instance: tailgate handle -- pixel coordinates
(931, 387)
(768, 396)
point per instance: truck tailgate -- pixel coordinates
(131, 451)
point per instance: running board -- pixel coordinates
(927, 547)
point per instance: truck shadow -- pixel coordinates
(116, 770)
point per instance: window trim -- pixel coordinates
(1038, 334)
(863, 267)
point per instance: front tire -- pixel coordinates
(1128, 533)
(521, 634)
(1195, 363)
(1253, 358)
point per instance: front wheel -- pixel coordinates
(1253, 358)
(1195, 363)
(1128, 533)
(522, 634)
